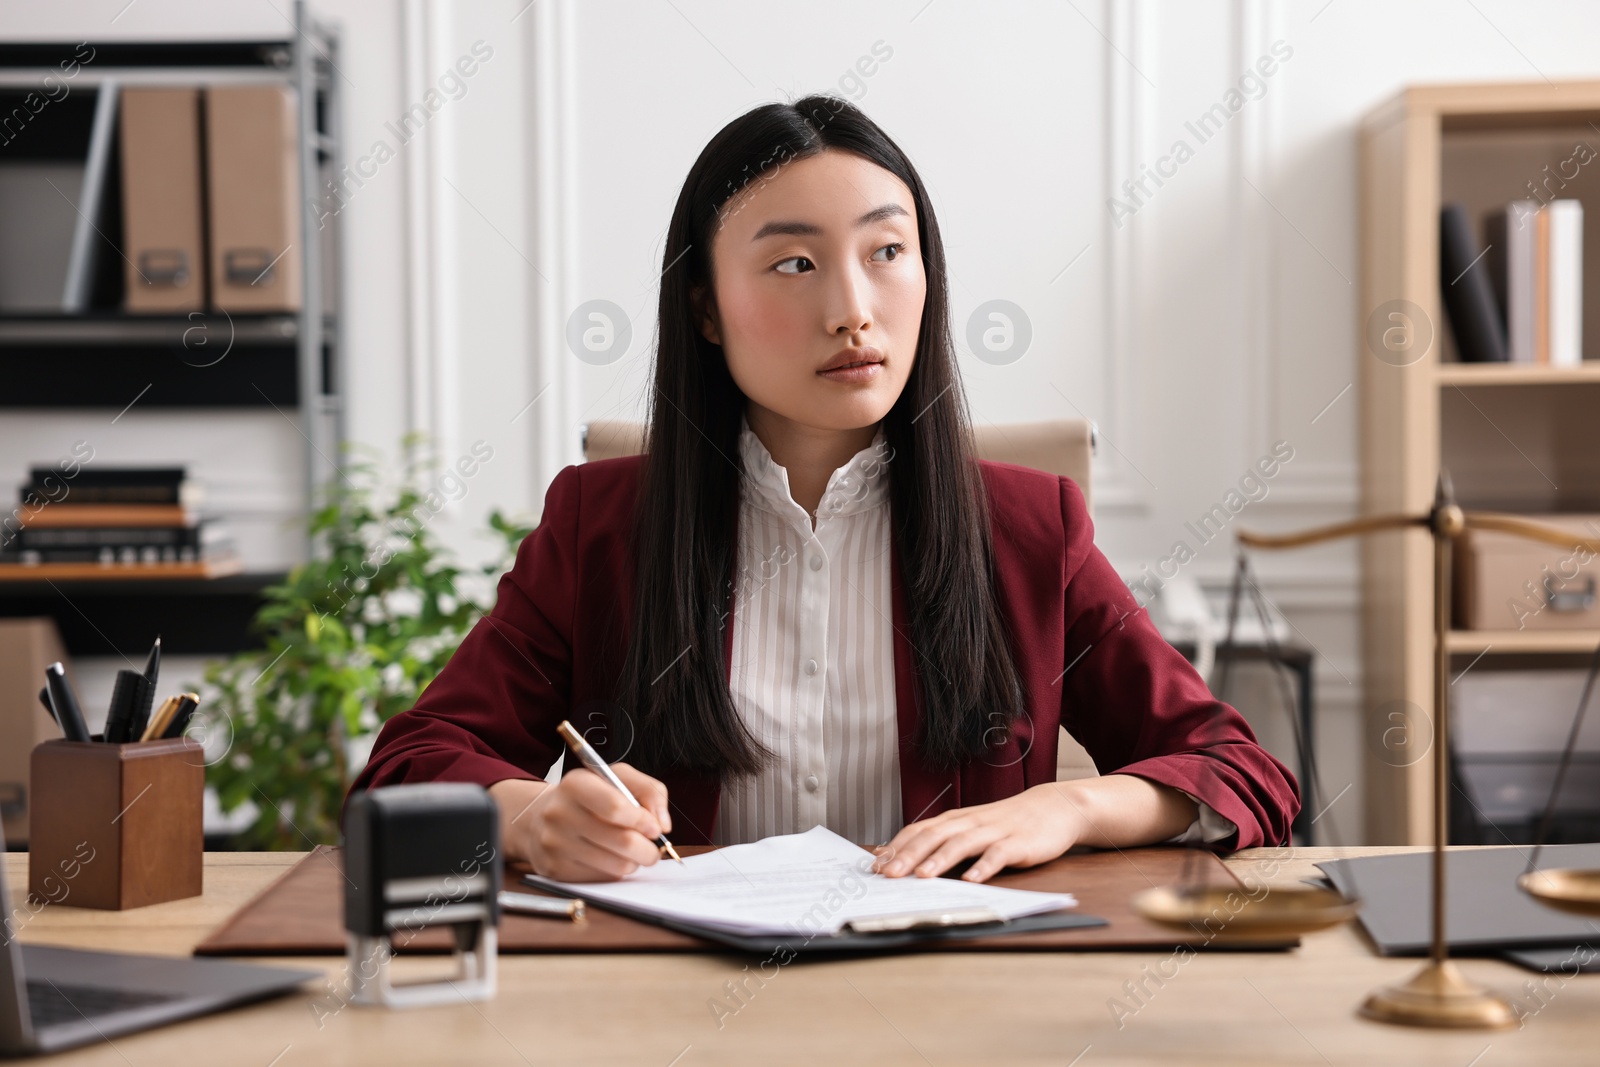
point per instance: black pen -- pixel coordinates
(141, 712)
(187, 702)
(130, 693)
(152, 663)
(65, 701)
(44, 698)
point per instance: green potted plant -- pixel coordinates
(350, 640)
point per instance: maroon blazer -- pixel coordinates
(1089, 656)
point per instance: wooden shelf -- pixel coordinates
(1473, 641)
(1516, 434)
(117, 572)
(1515, 374)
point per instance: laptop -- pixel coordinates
(58, 998)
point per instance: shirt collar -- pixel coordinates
(861, 483)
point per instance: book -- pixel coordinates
(114, 476)
(125, 556)
(111, 485)
(86, 236)
(150, 545)
(115, 536)
(122, 556)
(73, 514)
(175, 543)
(1509, 234)
(1468, 291)
(220, 567)
(1535, 259)
(1541, 286)
(1566, 282)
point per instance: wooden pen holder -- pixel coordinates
(115, 826)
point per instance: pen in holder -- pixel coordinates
(115, 826)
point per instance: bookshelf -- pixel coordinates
(1518, 438)
(290, 361)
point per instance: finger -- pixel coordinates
(884, 861)
(957, 848)
(994, 859)
(602, 800)
(574, 869)
(888, 852)
(559, 851)
(625, 844)
(921, 841)
(650, 792)
(597, 855)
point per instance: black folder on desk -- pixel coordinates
(1485, 911)
(1582, 958)
(844, 941)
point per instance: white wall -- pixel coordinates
(1218, 319)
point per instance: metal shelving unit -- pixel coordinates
(290, 362)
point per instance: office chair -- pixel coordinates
(1057, 446)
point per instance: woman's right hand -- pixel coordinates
(581, 829)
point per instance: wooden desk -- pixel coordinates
(933, 1008)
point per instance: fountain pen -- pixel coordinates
(591, 759)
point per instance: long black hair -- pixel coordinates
(674, 683)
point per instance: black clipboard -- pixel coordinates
(918, 936)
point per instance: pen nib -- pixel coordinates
(672, 852)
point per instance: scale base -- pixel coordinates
(1440, 996)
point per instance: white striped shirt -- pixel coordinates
(812, 673)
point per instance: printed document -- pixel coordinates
(811, 883)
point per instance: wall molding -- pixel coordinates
(1129, 31)
(552, 41)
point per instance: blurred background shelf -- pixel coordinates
(103, 615)
(1515, 374)
(183, 331)
(1562, 641)
(11, 573)
(114, 377)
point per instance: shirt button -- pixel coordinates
(812, 783)
(816, 563)
(811, 666)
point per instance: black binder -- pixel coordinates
(1468, 292)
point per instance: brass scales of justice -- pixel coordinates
(1439, 995)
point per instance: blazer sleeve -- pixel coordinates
(1139, 707)
(490, 713)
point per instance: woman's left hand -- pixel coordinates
(1035, 825)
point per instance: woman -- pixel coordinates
(808, 603)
